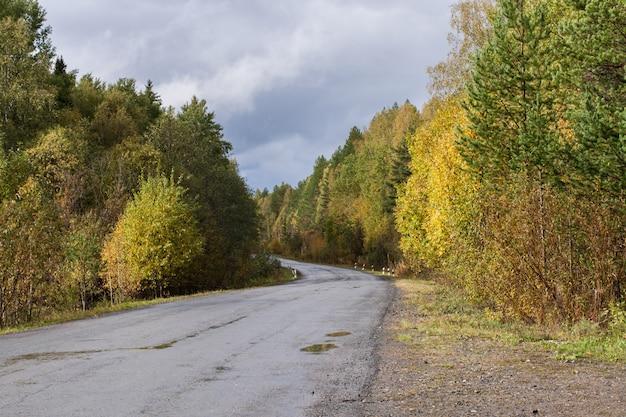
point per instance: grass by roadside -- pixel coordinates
(285, 275)
(105, 308)
(65, 316)
(445, 317)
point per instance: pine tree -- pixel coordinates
(400, 172)
(514, 144)
(511, 103)
(597, 49)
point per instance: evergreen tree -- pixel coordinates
(151, 101)
(400, 172)
(64, 82)
(597, 50)
(309, 192)
(512, 102)
(192, 146)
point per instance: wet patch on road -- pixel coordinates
(48, 356)
(338, 334)
(321, 348)
(325, 347)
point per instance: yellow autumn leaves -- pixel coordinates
(437, 198)
(155, 239)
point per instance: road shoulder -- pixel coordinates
(420, 374)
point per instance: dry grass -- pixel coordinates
(444, 317)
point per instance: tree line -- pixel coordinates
(105, 194)
(511, 178)
(344, 211)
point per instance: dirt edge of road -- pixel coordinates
(469, 376)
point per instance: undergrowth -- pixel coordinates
(445, 314)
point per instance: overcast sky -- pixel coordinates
(287, 79)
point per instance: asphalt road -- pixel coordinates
(231, 354)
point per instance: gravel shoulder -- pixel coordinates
(440, 375)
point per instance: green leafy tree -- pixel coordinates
(25, 94)
(157, 237)
(192, 145)
(112, 121)
(309, 193)
(59, 161)
(73, 152)
(114, 174)
(88, 95)
(117, 111)
(15, 168)
(144, 107)
(35, 17)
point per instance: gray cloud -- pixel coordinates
(287, 79)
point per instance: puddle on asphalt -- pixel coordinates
(48, 356)
(338, 334)
(325, 347)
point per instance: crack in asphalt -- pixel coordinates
(52, 355)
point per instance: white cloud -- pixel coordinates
(177, 92)
(278, 158)
(302, 71)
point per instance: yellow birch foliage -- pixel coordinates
(435, 205)
(156, 238)
(118, 280)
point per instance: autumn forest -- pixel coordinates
(107, 196)
(510, 181)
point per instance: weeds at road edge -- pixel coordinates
(445, 317)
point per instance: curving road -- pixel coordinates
(230, 354)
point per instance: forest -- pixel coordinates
(509, 180)
(105, 194)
